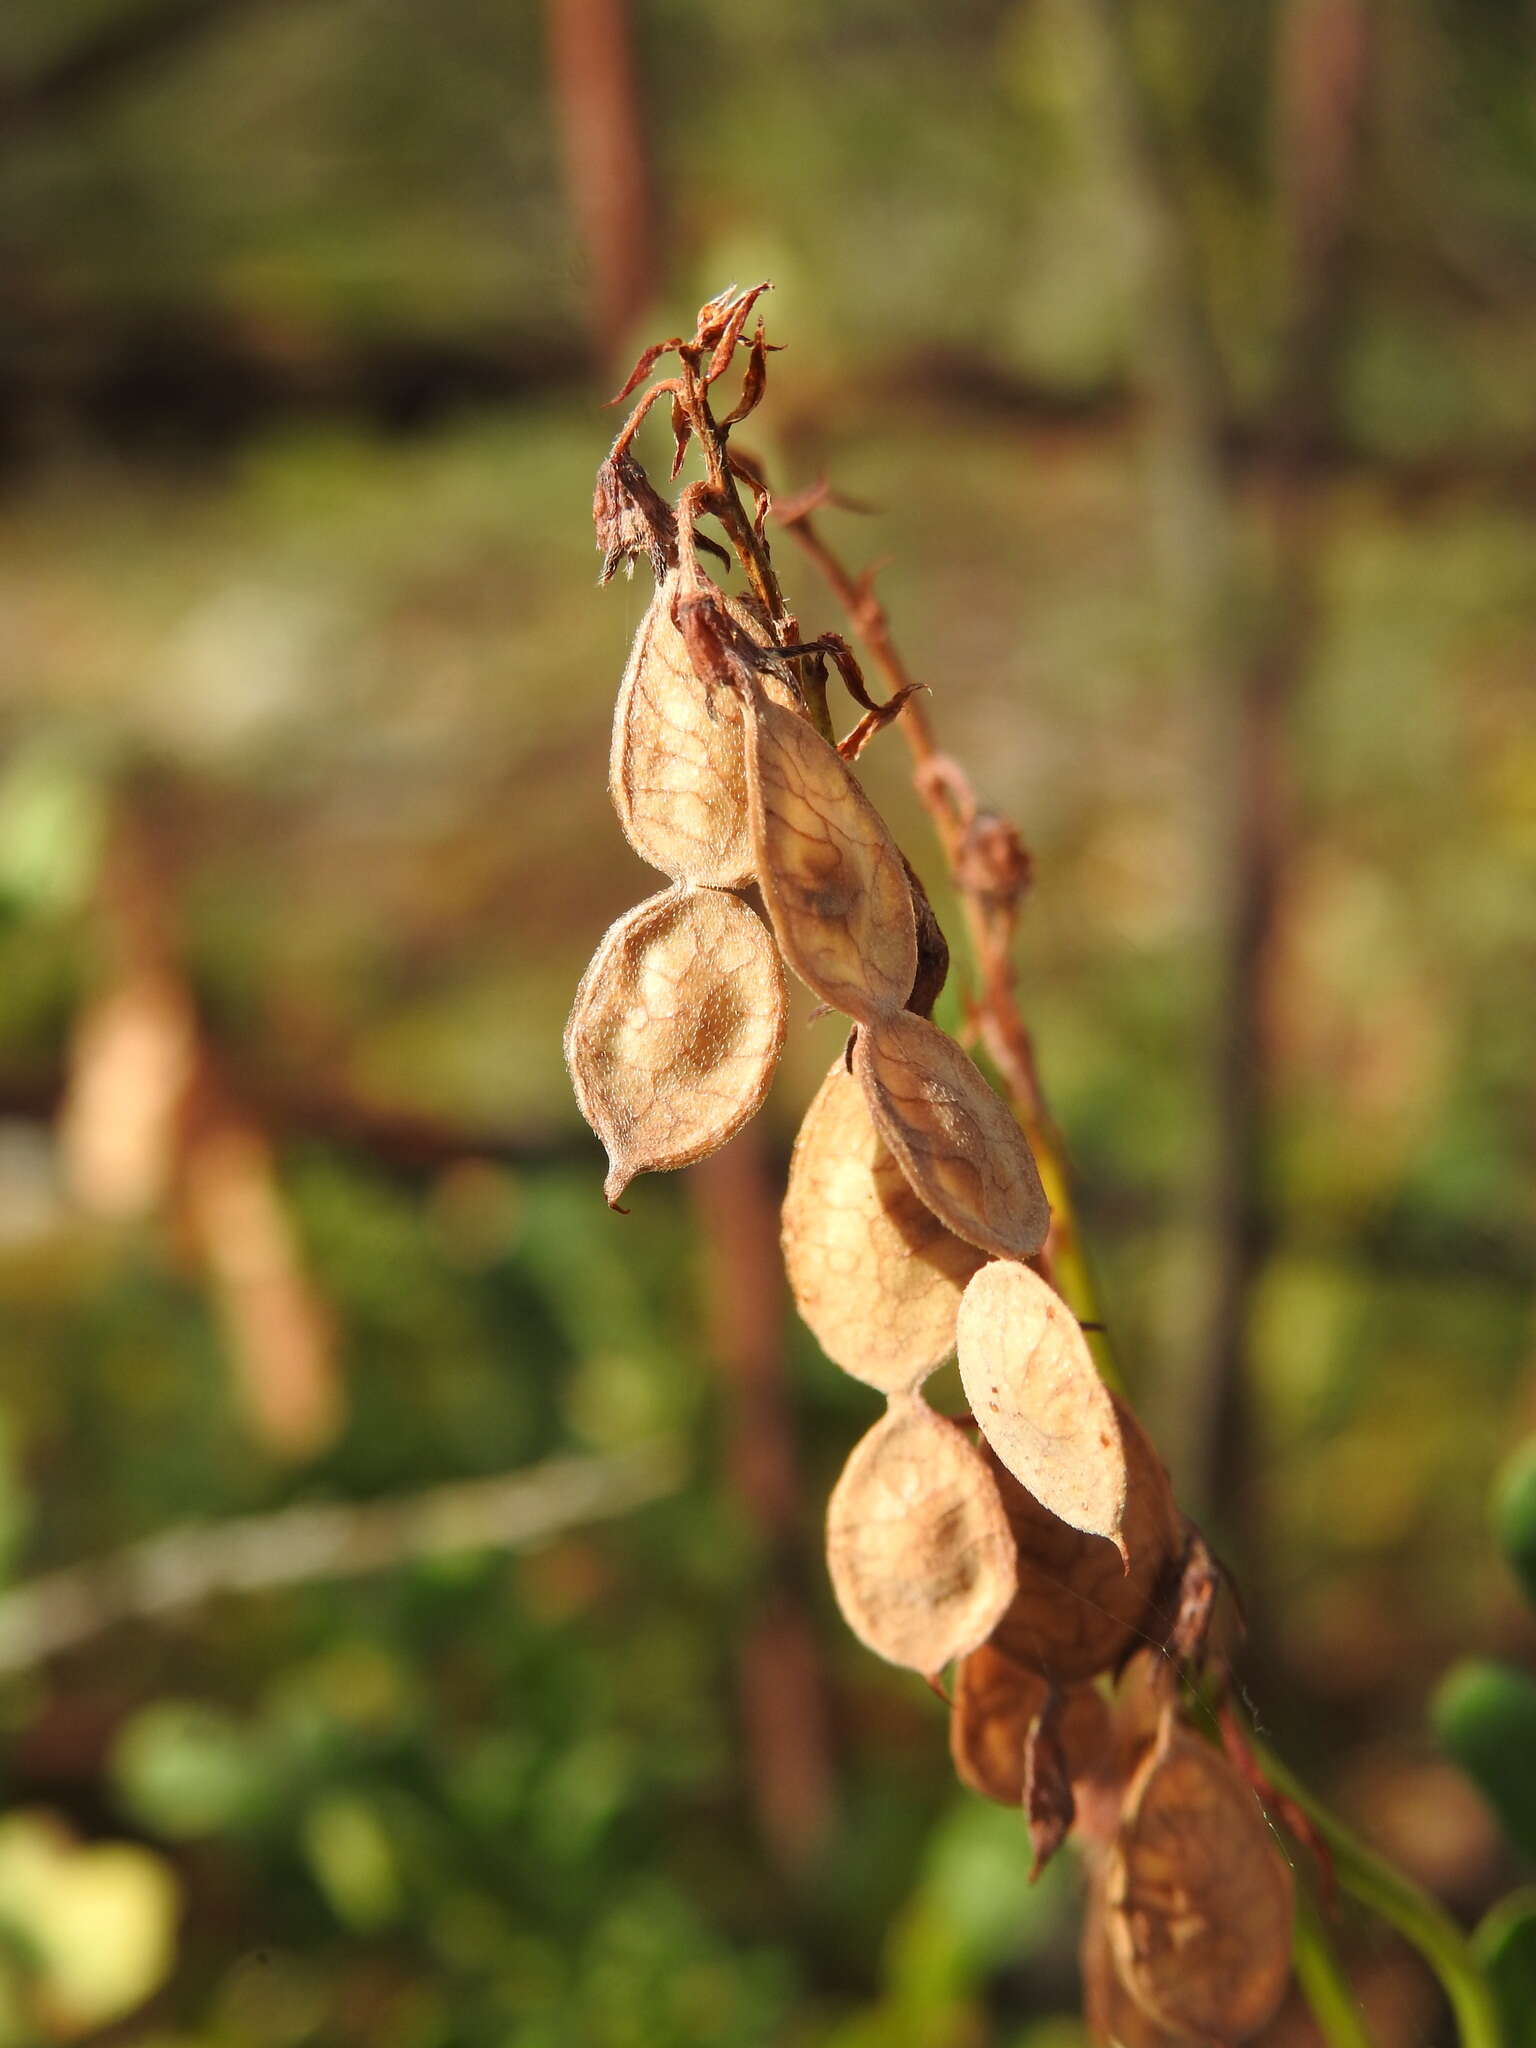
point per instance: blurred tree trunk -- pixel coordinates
(610, 189)
(783, 1697)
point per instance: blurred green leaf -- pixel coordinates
(1485, 1715)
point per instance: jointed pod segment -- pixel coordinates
(1048, 1562)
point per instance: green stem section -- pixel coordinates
(1323, 1983)
(1400, 1902)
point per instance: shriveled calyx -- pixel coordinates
(676, 1029)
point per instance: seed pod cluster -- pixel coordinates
(1048, 1564)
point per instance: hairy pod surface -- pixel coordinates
(953, 1138)
(917, 1542)
(678, 769)
(833, 882)
(675, 1031)
(995, 1704)
(874, 1273)
(1038, 1399)
(1199, 1898)
(1080, 1606)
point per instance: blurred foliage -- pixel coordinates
(299, 434)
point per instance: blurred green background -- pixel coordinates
(310, 308)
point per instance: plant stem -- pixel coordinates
(1403, 1905)
(1323, 1983)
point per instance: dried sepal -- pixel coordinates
(1049, 1806)
(677, 772)
(676, 1029)
(1199, 1898)
(932, 949)
(1080, 1608)
(952, 1136)
(631, 518)
(917, 1542)
(1038, 1399)
(831, 876)
(874, 1273)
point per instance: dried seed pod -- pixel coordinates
(995, 1703)
(1037, 1396)
(874, 1273)
(1199, 1898)
(831, 876)
(952, 1136)
(1080, 1608)
(678, 772)
(917, 1541)
(675, 1031)
(1112, 2016)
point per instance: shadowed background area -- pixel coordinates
(413, 1627)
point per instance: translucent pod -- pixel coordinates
(1038, 1399)
(676, 1029)
(954, 1139)
(874, 1273)
(917, 1541)
(678, 771)
(1080, 1607)
(832, 879)
(1198, 1897)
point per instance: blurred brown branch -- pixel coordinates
(60, 1611)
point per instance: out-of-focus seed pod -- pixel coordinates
(678, 772)
(1080, 1608)
(874, 1273)
(676, 1029)
(995, 1702)
(832, 879)
(952, 1136)
(1038, 1399)
(917, 1541)
(1199, 1898)
(1112, 2016)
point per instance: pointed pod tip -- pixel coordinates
(614, 1186)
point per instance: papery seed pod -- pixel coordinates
(677, 771)
(1112, 2016)
(874, 1273)
(1199, 1898)
(832, 879)
(917, 1542)
(994, 1704)
(676, 1029)
(952, 1136)
(1038, 1399)
(1080, 1608)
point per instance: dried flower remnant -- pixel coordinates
(1080, 1607)
(1199, 1898)
(832, 879)
(676, 1030)
(917, 1541)
(874, 1273)
(994, 1704)
(1038, 1399)
(952, 1136)
(678, 773)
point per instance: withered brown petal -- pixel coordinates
(830, 874)
(1048, 1803)
(932, 948)
(917, 1541)
(1038, 1399)
(1078, 1609)
(874, 1273)
(952, 1136)
(1199, 1897)
(676, 1029)
(677, 771)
